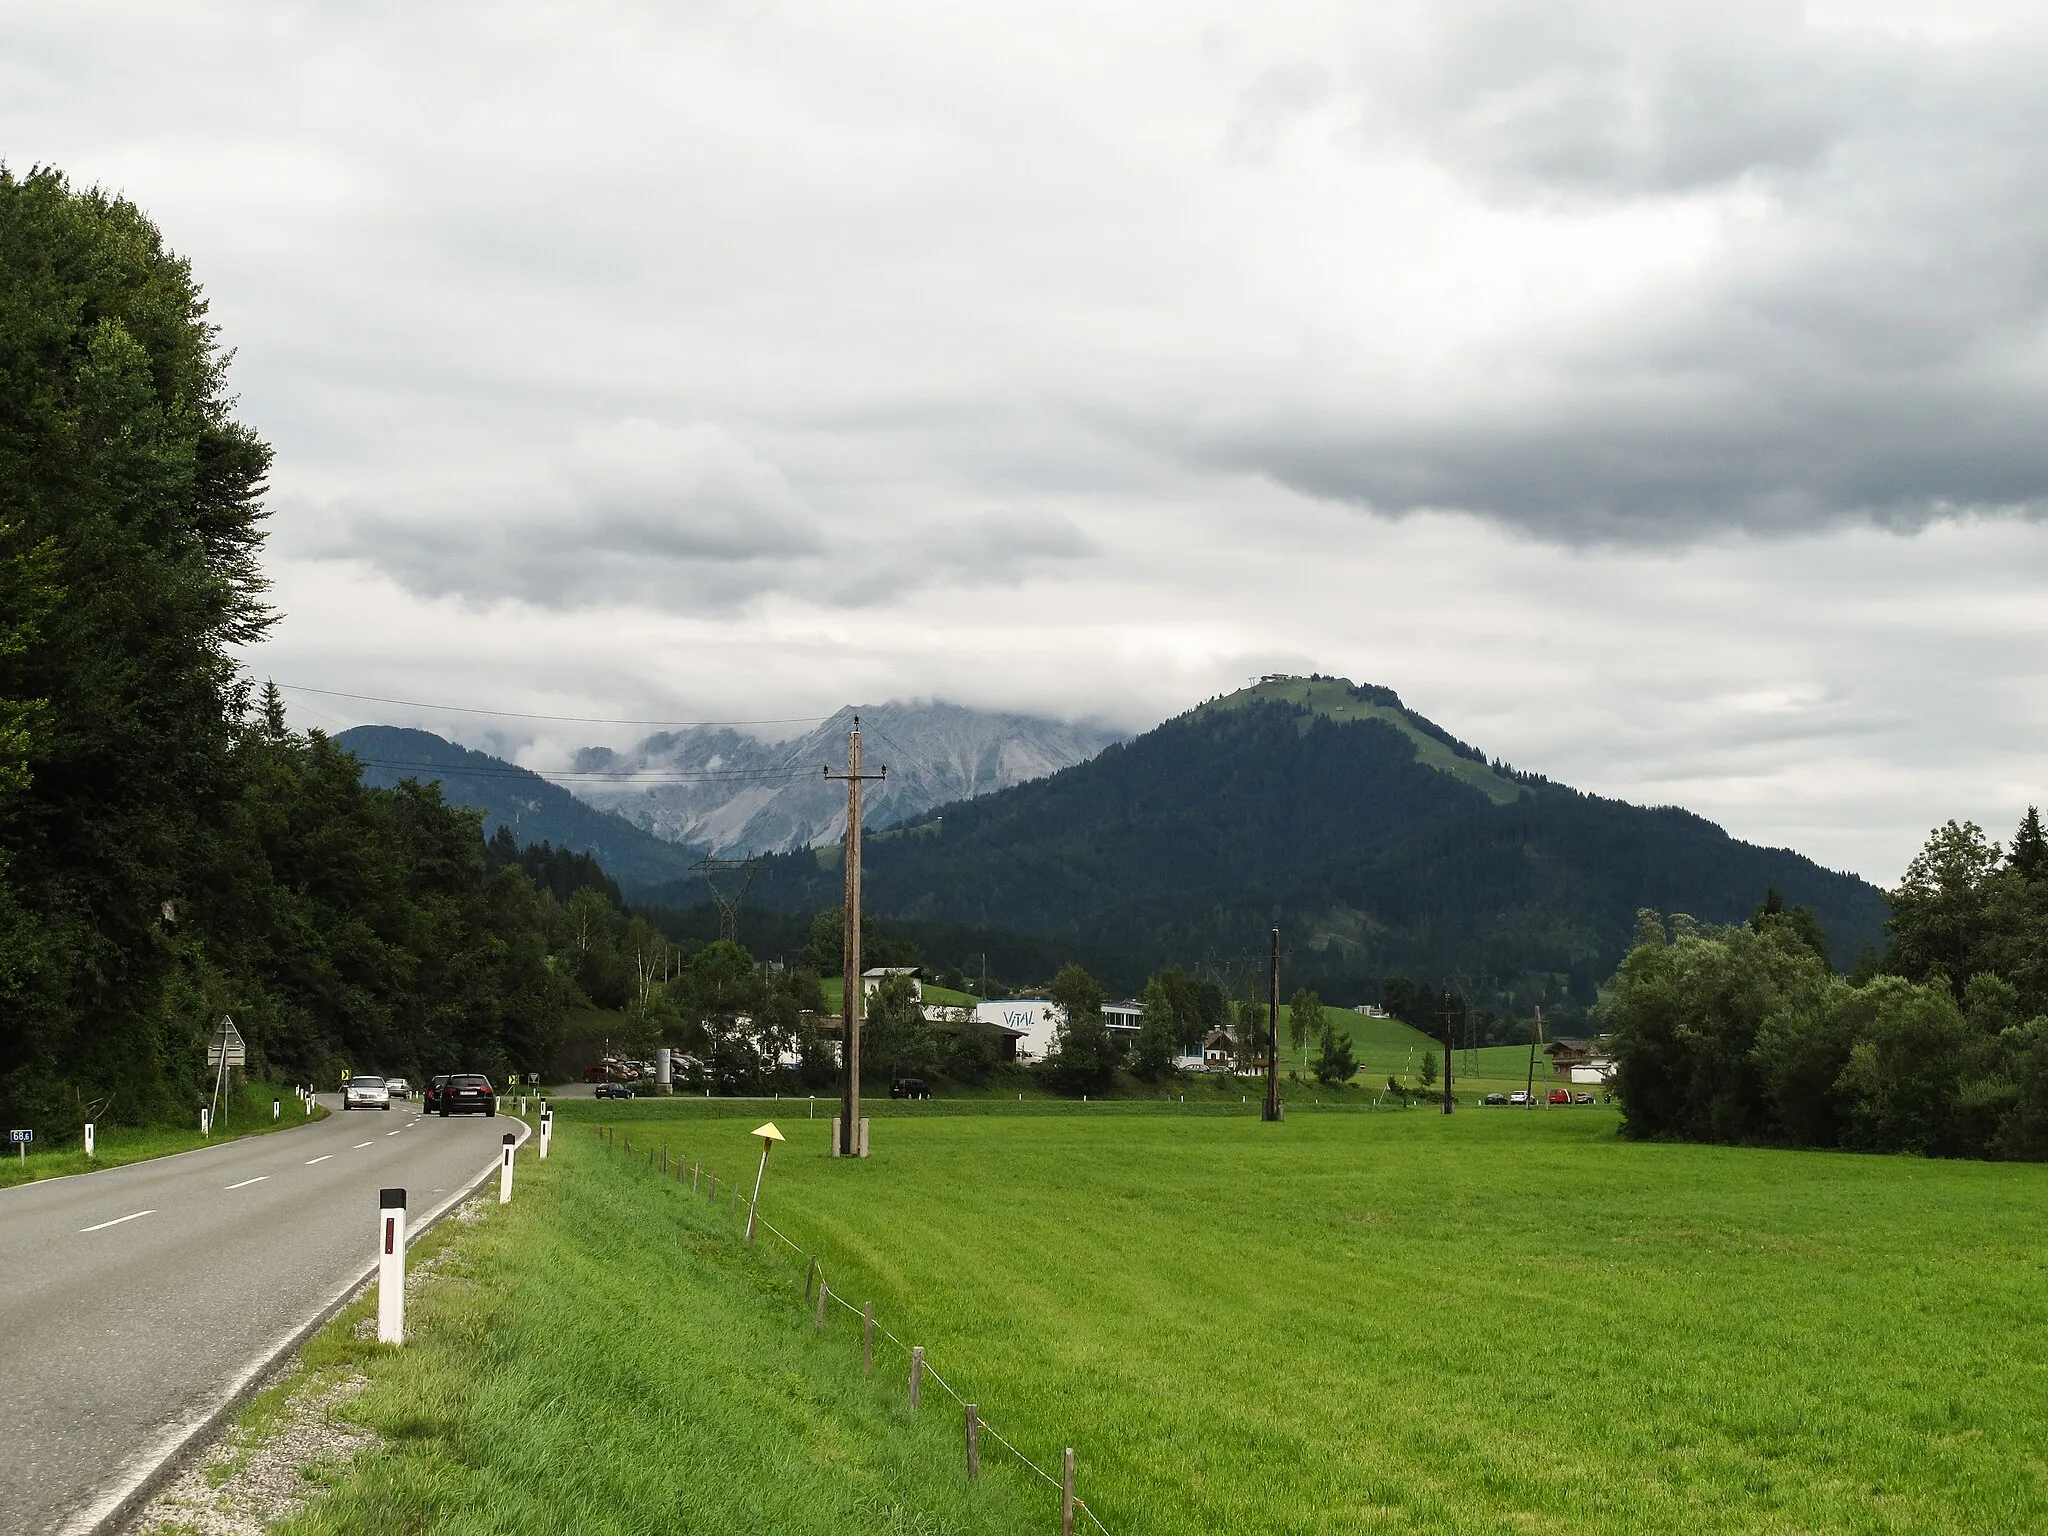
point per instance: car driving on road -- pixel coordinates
(612, 1091)
(467, 1093)
(430, 1096)
(400, 1088)
(365, 1092)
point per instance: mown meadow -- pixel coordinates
(1350, 1321)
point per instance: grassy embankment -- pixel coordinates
(247, 1114)
(1489, 1323)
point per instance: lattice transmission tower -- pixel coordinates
(738, 874)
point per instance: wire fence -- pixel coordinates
(920, 1362)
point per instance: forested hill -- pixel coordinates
(535, 810)
(1384, 843)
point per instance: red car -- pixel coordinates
(1560, 1096)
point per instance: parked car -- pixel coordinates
(1560, 1096)
(468, 1093)
(613, 1091)
(365, 1092)
(430, 1098)
(1495, 1098)
(909, 1088)
(1520, 1096)
(400, 1088)
(1582, 1098)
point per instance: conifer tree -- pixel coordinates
(2029, 855)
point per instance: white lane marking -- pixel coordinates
(247, 1182)
(388, 1133)
(320, 1159)
(359, 1146)
(102, 1226)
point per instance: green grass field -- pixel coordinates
(248, 1114)
(1351, 1321)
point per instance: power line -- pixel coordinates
(514, 771)
(515, 714)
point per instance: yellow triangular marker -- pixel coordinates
(768, 1132)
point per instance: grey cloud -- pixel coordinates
(1004, 545)
(1862, 342)
(1616, 98)
(635, 511)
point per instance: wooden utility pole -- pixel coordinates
(850, 997)
(1448, 1013)
(1535, 1039)
(1271, 1111)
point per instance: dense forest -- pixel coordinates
(1744, 1033)
(169, 852)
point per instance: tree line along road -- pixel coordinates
(135, 1300)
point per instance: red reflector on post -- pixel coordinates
(390, 1232)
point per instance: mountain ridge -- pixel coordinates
(1386, 843)
(535, 809)
(739, 795)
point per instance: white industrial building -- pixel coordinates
(1035, 1020)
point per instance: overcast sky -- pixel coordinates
(1652, 394)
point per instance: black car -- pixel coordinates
(467, 1093)
(1494, 1098)
(612, 1091)
(909, 1088)
(430, 1096)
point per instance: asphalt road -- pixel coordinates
(135, 1300)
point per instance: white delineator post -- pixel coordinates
(88, 1138)
(206, 1122)
(391, 1266)
(505, 1172)
(547, 1129)
(276, 1109)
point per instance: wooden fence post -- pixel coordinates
(695, 1169)
(818, 1322)
(916, 1375)
(867, 1347)
(973, 1444)
(810, 1278)
(1067, 1495)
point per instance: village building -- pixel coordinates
(871, 980)
(1031, 1024)
(1578, 1060)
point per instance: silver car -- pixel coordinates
(366, 1093)
(398, 1087)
